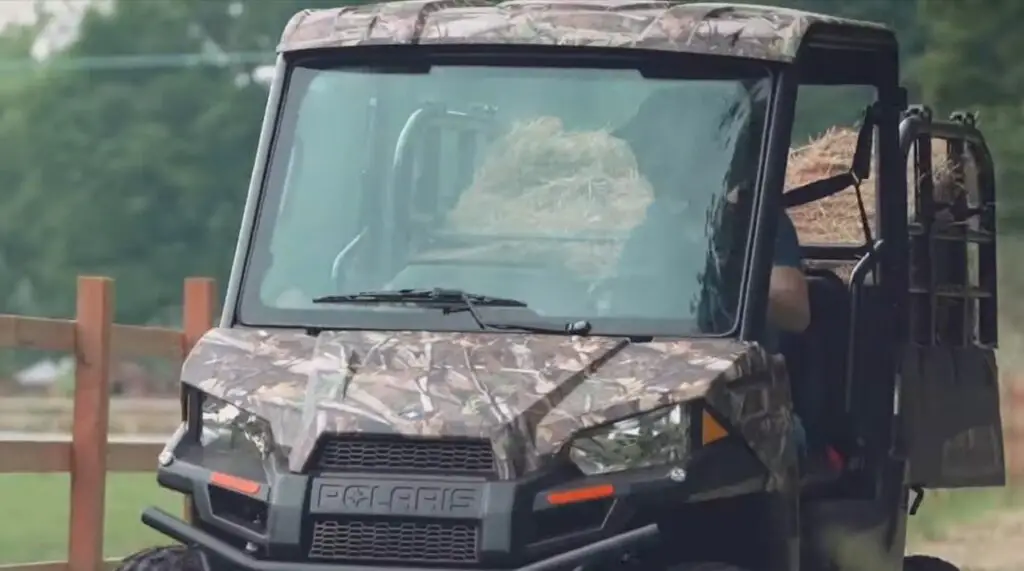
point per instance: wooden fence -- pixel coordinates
(87, 455)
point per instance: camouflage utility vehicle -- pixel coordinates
(452, 341)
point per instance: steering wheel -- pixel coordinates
(338, 275)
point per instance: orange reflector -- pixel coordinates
(581, 495)
(710, 429)
(229, 482)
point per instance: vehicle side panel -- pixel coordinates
(954, 428)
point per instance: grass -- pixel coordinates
(944, 510)
(36, 508)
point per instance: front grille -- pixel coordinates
(405, 541)
(465, 456)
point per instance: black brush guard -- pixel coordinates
(181, 531)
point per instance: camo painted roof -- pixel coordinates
(760, 32)
(528, 394)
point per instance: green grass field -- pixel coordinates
(36, 510)
(942, 511)
(36, 507)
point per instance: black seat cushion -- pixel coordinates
(816, 360)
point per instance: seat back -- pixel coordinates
(816, 359)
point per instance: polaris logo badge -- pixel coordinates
(377, 497)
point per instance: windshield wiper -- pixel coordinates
(581, 328)
(424, 296)
(462, 301)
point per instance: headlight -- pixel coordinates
(654, 438)
(225, 427)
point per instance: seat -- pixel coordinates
(816, 360)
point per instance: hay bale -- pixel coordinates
(563, 182)
(837, 218)
(541, 178)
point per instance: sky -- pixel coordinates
(66, 17)
(67, 14)
(16, 11)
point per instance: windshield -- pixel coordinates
(585, 193)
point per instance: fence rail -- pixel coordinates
(106, 565)
(128, 416)
(49, 405)
(59, 335)
(86, 454)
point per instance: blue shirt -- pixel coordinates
(787, 245)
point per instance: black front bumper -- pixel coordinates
(211, 546)
(346, 521)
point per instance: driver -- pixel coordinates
(650, 133)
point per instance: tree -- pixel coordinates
(137, 171)
(973, 62)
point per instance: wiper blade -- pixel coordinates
(424, 296)
(462, 301)
(581, 327)
(574, 328)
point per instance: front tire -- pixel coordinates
(927, 563)
(705, 566)
(163, 558)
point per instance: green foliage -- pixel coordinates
(41, 501)
(973, 61)
(137, 173)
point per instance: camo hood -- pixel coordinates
(527, 393)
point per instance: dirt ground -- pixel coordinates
(994, 542)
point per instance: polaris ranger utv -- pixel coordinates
(450, 340)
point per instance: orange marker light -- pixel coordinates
(581, 495)
(710, 429)
(235, 484)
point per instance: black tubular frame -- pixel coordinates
(944, 249)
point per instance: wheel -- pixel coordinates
(163, 558)
(927, 563)
(705, 566)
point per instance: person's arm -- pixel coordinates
(788, 305)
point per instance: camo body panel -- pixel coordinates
(528, 394)
(760, 32)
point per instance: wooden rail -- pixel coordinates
(127, 415)
(87, 454)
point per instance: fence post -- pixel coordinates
(93, 325)
(198, 309)
(197, 318)
(1013, 443)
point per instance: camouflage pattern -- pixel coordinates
(760, 32)
(527, 393)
